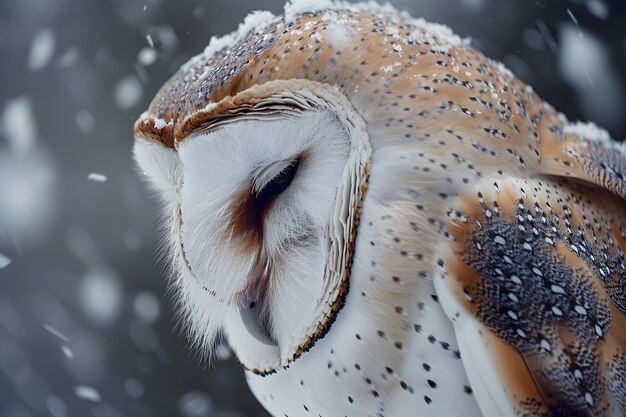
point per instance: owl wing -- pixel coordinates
(534, 282)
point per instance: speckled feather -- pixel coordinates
(482, 199)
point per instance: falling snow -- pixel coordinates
(19, 124)
(94, 176)
(195, 404)
(85, 120)
(4, 261)
(256, 21)
(56, 406)
(128, 92)
(571, 15)
(147, 56)
(598, 8)
(100, 295)
(160, 124)
(473, 5)
(146, 306)
(223, 352)
(67, 351)
(134, 388)
(27, 176)
(69, 58)
(56, 332)
(132, 240)
(41, 49)
(586, 64)
(87, 393)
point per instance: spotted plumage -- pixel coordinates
(383, 222)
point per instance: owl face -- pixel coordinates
(261, 207)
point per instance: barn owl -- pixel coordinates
(381, 221)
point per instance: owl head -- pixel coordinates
(260, 148)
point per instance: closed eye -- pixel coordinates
(278, 183)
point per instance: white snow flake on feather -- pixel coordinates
(41, 49)
(338, 33)
(316, 37)
(592, 132)
(387, 69)
(294, 8)
(589, 131)
(210, 107)
(393, 32)
(94, 176)
(502, 68)
(255, 22)
(160, 123)
(441, 37)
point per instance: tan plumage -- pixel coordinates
(479, 195)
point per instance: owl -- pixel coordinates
(381, 221)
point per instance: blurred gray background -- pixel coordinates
(86, 326)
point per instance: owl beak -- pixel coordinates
(251, 311)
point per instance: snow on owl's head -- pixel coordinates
(262, 200)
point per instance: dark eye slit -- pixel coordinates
(279, 183)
